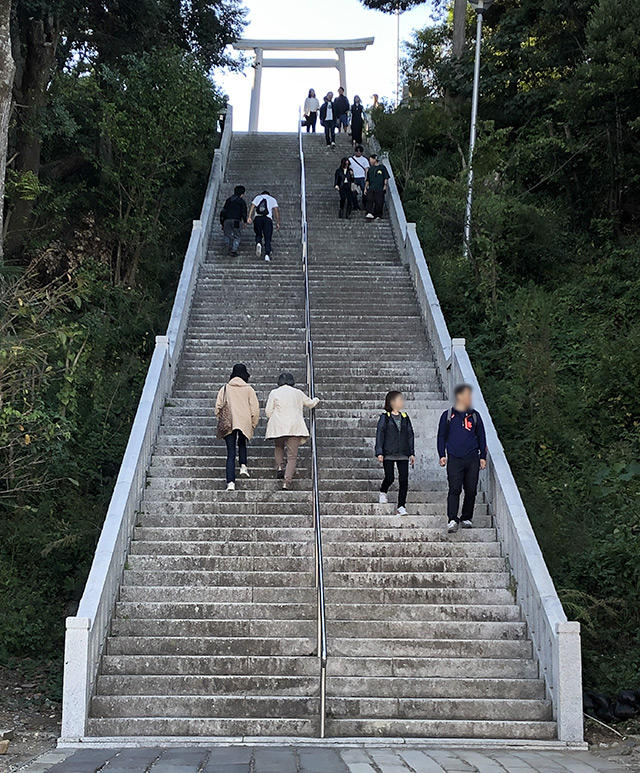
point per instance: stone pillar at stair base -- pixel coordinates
(75, 707)
(568, 679)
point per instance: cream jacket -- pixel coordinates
(243, 401)
(284, 411)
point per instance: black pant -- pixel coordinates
(263, 229)
(311, 122)
(403, 478)
(230, 440)
(346, 201)
(330, 131)
(462, 473)
(375, 202)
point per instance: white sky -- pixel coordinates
(368, 72)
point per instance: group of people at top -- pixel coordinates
(461, 440)
(336, 115)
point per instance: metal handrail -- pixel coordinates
(317, 526)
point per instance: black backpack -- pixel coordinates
(263, 208)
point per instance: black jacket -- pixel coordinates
(323, 111)
(390, 442)
(342, 178)
(357, 115)
(341, 105)
(235, 208)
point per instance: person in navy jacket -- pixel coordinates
(462, 448)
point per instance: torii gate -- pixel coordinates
(260, 46)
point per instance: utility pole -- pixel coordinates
(480, 6)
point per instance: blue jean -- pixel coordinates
(230, 440)
(343, 121)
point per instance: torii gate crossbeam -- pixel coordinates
(260, 46)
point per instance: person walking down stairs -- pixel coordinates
(357, 121)
(238, 412)
(376, 187)
(328, 120)
(344, 182)
(341, 110)
(310, 111)
(286, 425)
(395, 447)
(233, 216)
(360, 167)
(462, 448)
(264, 211)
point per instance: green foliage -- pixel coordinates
(126, 155)
(549, 302)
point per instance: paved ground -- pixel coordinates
(242, 759)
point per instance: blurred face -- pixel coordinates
(463, 400)
(373, 161)
(341, 91)
(312, 93)
(397, 404)
(330, 95)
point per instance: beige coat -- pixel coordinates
(284, 411)
(243, 401)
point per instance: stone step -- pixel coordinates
(206, 727)
(442, 728)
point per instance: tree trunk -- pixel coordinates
(7, 70)
(38, 39)
(459, 26)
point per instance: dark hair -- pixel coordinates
(340, 88)
(391, 396)
(286, 378)
(312, 90)
(460, 388)
(344, 161)
(239, 190)
(265, 193)
(359, 148)
(240, 371)
(373, 155)
(356, 97)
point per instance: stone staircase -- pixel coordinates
(214, 631)
(216, 621)
(424, 636)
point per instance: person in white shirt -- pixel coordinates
(311, 107)
(286, 425)
(263, 213)
(360, 167)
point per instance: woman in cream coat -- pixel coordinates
(245, 413)
(286, 424)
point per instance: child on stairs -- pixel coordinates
(395, 448)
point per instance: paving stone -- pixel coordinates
(480, 761)
(84, 761)
(184, 760)
(279, 760)
(317, 760)
(357, 761)
(449, 761)
(134, 760)
(388, 761)
(232, 759)
(419, 761)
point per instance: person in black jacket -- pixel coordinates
(357, 121)
(462, 448)
(328, 119)
(394, 446)
(232, 217)
(343, 182)
(341, 107)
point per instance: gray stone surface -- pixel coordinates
(400, 758)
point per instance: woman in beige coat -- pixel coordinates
(245, 412)
(286, 424)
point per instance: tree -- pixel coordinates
(7, 69)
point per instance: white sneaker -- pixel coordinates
(382, 498)
(231, 486)
(466, 524)
(369, 216)
(267, 259)
(401, 511)
(452, 528)
(244, 470)
(258, 250)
